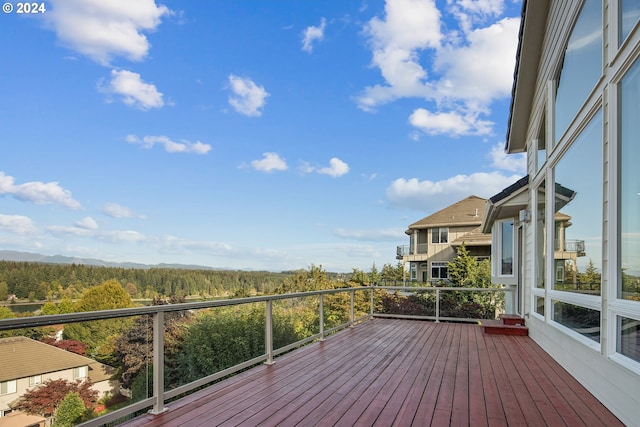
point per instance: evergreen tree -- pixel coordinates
(69, 411)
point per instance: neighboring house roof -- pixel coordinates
(466, 212)
(21, 419)
(22, 357)
(100, 372)
(473, 238)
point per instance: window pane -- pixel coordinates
(578, 213)
(582, 320)
(540, 305)
(629, 338)
(541, 236)
(582, 66)
(629, 208)
(629, 14)
(435, 236)
(506, 247)
(541, 147)
(444, 235)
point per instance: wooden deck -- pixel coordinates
(397, 373)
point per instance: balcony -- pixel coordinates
(369, 370)
(418, 254)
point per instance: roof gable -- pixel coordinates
(469, 211)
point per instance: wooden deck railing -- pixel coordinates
(160, 395)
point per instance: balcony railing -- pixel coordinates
(571, 246)
(404, 250)
(160, 396)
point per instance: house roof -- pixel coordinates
(530, 39)
(21, 419)
(506, 204)
(467, 211)
(22, 357)
(473, 238)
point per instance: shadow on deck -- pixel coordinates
(389, 372)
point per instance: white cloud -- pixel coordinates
(134, 92)
(451, 123)
(269, 163)
(312, 34)
(429, 195)
(102, 30)
(17, 224)
(115, 210)
(87, 223)
(481, 70)
(41, 193)
(509, 162)
(248, 98)
(409, 26)
(459, 73)
(169, 145)
(176, 245)
(335, 169)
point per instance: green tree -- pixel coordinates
(98, 335)
(69, 411)
(4, 291)
(374, 275)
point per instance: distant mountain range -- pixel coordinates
(59, 259)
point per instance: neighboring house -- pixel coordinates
(26, 363)
(571, 228)
(434, 240)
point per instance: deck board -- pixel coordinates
(388, 372)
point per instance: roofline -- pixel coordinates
(530, 39)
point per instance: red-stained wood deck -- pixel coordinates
(397, 373)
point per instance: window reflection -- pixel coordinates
(629, 337)
(578, 213)
(629, 208)
(629, 14)
(541, 234)
(582, 320)
(506, 247)
(582, 66)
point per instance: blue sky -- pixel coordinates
(249, 134)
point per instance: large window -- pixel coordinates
(582, 65)
(629, 185)
(506, 248)
(578, 213)
(629, 15)
(440, 235)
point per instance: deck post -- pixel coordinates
(321, 308)
(158, 363)
(352, 314)
(371, 302)
(514, 298)
(268, 336)
(437, 305)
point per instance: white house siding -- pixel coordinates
(595, 366)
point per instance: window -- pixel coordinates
(8, 387)
(541, 147)
(80, 372)
(580, 319)
(440, 235)
(35, 380)
(629, 14)
(414, 272)
(578, 196)
(439, 270)
(506, 248)
(629, 186)
(539, 303)
(540, 237)
(629, 338)
(582, 65)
